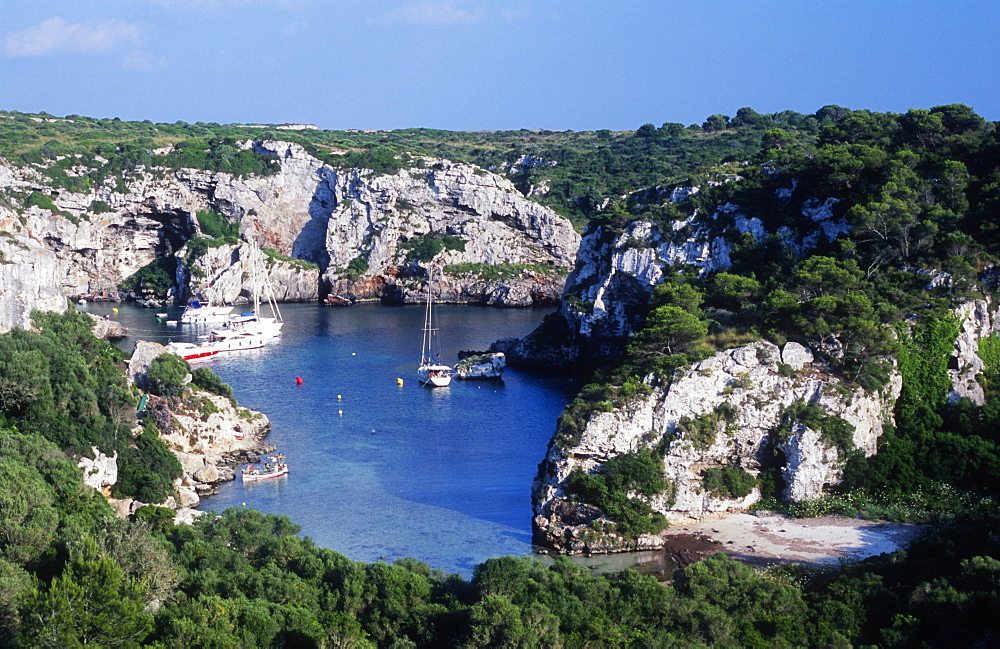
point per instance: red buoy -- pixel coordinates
(298, 380)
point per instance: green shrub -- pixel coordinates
(301, 263)
(703, 430)
(44, 201)
(99, 207)
(167, 374)
(834, 431)
(204, 378)
(639, 472)
(146, 471)
(422, 248)
(357, 267)
(156, 277)
(497, 272)
(728, 482)
(216, 226)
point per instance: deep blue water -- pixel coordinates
(380, 470)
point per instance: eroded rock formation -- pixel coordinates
(740, 397)
(354, 233)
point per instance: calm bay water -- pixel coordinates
(379, 470)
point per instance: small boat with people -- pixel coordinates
(275, 467)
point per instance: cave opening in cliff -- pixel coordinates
(176, 229)
(771, 476)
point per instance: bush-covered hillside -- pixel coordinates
(917, 196)
(920, 194)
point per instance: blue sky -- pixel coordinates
(487, 65)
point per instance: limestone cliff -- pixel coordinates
(326, 217)
(617, 268)
(730, 410)
(473, 217)
(30, 278)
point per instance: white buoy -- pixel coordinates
(340, 412)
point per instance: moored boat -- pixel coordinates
(274, 468)
(430, 371)
(198, 312)
(193, 352)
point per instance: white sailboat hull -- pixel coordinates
(438, 376)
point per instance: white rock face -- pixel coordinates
(979, 320)
(376, 218)
(749, 381)
(226, 276)
(101, 472)
(306, 210)
(202, 443)
(30, 278)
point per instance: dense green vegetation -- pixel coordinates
(67, 387)
(496, 272)
(216, 226)
(157, 277)
(427, 246)
(609, 489)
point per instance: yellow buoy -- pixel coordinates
(399, 381)
(338, 396)
(114, 310)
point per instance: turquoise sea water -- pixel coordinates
(379, 470)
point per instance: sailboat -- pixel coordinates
(241, 331)
(430, 371)
(254, 325)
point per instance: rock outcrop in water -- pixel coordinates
(481, 366)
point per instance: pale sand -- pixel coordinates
(767, 538)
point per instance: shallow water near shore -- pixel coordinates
(379, 470)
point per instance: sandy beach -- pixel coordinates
(769, 538)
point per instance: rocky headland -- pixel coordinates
(207, 432)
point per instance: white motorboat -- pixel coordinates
(199, 312)
(193, 352)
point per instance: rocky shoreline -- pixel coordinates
(209, 434)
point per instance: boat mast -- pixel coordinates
(427, 339)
